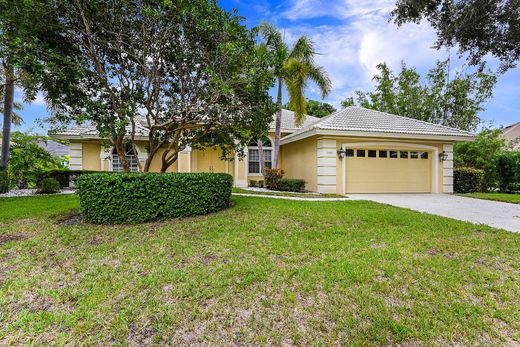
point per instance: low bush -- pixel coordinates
(467, 179)
(4, 181)
(291, 185)
(131, 198)
(48, 186)
(66, 177)
(272, 178)
(253, 183)
(508, 171)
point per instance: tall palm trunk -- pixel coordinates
(261, 156)
(8, 113)
(277, 125)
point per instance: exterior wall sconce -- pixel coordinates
(341, 153)
(443, 156)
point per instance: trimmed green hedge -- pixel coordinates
(508, 171)
(131, 198)
(467, 179)
(64, 176)
(291, 185)
(48, 186)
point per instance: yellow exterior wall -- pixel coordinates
(299, 160)
(91, 158)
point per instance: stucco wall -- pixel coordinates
(299, 161)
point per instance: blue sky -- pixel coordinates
(352, 37)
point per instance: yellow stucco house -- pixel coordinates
(354, 150)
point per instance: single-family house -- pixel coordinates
(354, 150)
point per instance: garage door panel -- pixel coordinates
(388, 175)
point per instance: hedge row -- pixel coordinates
(66, 177)
(467, 179)
(291, 185)
(131, 198)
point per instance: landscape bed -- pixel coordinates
(265, 272)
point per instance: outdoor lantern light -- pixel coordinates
(443, 156)
(341, 153)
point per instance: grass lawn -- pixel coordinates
(290, 194)
(512, 198)
(265, 272)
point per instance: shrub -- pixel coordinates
(66, 177)
(48, 186)
(467, 179)
(253, 183)
(291, 185)
(272, 177)
(131, 198)
(508, 171)
(4, 180)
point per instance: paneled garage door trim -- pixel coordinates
(433, 149)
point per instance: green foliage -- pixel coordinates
(508, 171)
(453, 101)
(253, 183)
(316, 108)
(28, 159)
(4, 180)
(467, 179)
(272, 178)
(132, 198)
(480, 154)
(48, 186)
(291, 185)
(293, 67)
(64, 176)
(494, 26)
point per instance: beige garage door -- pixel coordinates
(388, 171)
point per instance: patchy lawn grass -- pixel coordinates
(512, 198)
(36, 206)
(265, 272)
(289, 194)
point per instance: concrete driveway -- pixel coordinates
(496, 214)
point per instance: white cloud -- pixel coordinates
(358, 38)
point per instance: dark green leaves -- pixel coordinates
(132, 198)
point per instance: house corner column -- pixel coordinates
(76, 156)
(326, 166)
(447, 169)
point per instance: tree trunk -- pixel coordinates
(278, 125)
(261, 156)
(8, 113)
(121, 153)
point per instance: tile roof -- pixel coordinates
(89, 131)
(360, 119)
(289, 123)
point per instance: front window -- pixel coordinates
(129, 153)
(254, 156)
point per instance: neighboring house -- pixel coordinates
(56, 149)
(354, 150)
(512, 134)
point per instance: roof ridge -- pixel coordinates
(410, 118)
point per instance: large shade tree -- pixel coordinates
(293, 67)
(187, 70)
(17, 68)
(477, 28)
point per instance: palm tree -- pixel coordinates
(293, 68)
